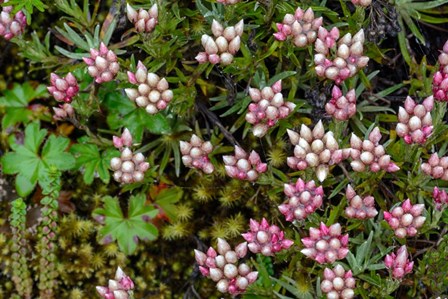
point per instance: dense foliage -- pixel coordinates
(250, 149)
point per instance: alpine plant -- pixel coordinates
(224, 46)
(301, 27)
(436, 167)
(152, 92)
(102, 64)
(440, 198)
(63, 112)
(398, 263)
(63, 89)
(341, 107)
(406, 219)
(338, 283)
(242, 166)
(369, 155)
(119, 288)
(326, 244)
(195, 154)
(11, 25)
(359, 208)
(340, 61)
(303, 199)
(143, 20)
(315, 149)
(440, 79)
(129, 167)
(267, 107)
(363, 3)
(415, 121)
(266, 239)
(223, 267)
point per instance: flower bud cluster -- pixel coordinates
(405, 219)
(118, 288)
(301, 27)
(266, 239)
(129, 167)
(152, 93)
(195, 154)
(341, 107)
(359, 208)
(315, 149)
(440, 79)
(63, 89)
(338, 283)
(325, 244)
(63, 112)
(243, 166)
(440, 198)
(415, 121)
(363, 3)
(348, 55)
(399, 263)
(103, 64)
(303, 199)
(226, 43)
(11, 25)
(369, 154)
(228, 2)
(267, 108)
(222, 267)
(143, 20)
(436, 167)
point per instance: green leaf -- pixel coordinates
(31, 166)
(166, 200)
(24, 185)
(88, 156)
(127, 230)
(281, 76)
(34, 137)
(426, 4)
(125, 114)
(54, 153)
(16, 103)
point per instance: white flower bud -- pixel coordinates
(115, 163)
(230, 271)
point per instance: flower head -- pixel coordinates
(223, 267)
(129, 167)
(63, 89)
(405, 219)
(102, 64)
(326, 244)
(415, 121)
(338, 283)
(152, 92)
(243, 166)
(303, 199)
(316, 149)
(266, 239)
(398, 263)
(369, 154)
(267, 107)
(11, 25)
(359, 208)
(143, 20)
(301, 27)
(195, 154)
(118, 288)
